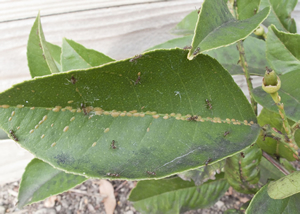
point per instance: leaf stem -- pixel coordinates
(244, 65)
(275, 163)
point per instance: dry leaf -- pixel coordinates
(106, 189)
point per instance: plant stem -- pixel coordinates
(275, 163)
(244, 65)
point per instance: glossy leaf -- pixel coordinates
(76, 56)
(262, 203)
(280, 14)
(203, 174)
(242, 171)
(289, 93)
(285, 187)
(39, 57)
(70, 119)
(187, 25)
(282, 51)
(270, 145)
(40, 180)
(228, 56)
(247, 8)
(268, 171)
(216, 27)
(55, 52)
(175, 195)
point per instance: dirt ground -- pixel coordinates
(85, 199)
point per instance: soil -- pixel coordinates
(85, 199)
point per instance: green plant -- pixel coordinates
(169, 111)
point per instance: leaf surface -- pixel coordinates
(242, 171)
(40, 181)
(228, 56)
(282, 50)
(39, 57)
(164, 113)
(216, 27)
(289, 93)
(268, 171)
(76, 56)
(247, 8)
(175, 195)
(280, 14)
(262, 203)
(285, 187)
(55, 52)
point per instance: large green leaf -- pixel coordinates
(242, 171)
(282, 50)
(203, 174)
(280, 14)
(175, 195)
(40, 180)
(39, 57)
(247, 8)
(262, 203)
(76, 56)
(228, 56)
(216, 27)
(289, 93)
(145, 105)
(187, 25)
(285, 187)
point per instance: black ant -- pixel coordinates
(135, 58)
(113, 144)
(226, 133)
(151, 173)
(187, 47)
(138, 79)
(242, 154)
(196, 51)
(208, 104)
(199, 10)
(13, 135)
(207, 161)
(113, 174)
(73, 80)
(192, 118)
(82, 105)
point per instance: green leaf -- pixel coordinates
(242, 171)
(285, 187)
(39, 57)
(216, 27)
(76, 56)
(40, 180)
(270, 145)
(70, 119)
(282, 51)
(203, 174)
(255, 54)
(268, 171)
(175, 195)
(280, 14)
(289, 93)
(55, 52)
(247, 8)
(228, 56)
(187, 25)
(262, 203)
